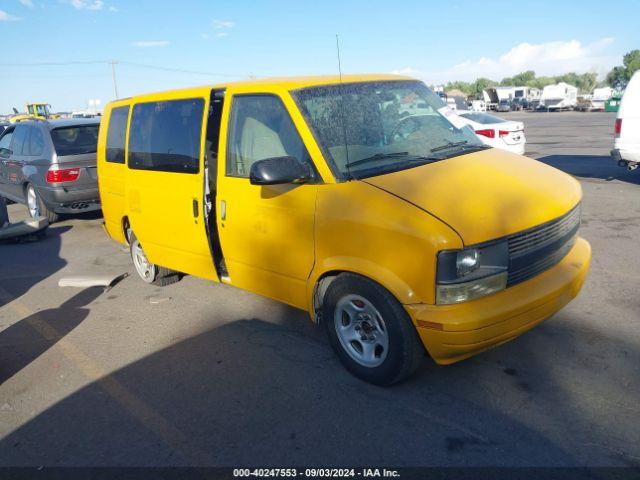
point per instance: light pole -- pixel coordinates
(113, 74)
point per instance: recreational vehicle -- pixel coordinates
(561, 96)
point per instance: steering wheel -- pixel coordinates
(409, 121)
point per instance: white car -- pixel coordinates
(495, 131)
(626, 145)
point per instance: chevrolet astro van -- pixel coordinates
(397, 236)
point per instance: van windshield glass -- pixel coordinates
(388, 126)
(75, 140)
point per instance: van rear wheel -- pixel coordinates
(370, 330)
(149, 272)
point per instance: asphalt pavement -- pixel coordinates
(203, 374)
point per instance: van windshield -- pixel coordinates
(388, 126)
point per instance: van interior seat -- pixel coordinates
(259, 141)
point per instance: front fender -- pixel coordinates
(364, 230)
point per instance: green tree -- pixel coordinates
(480, 84)
(522, 78)
(459, 85)
(619, 76)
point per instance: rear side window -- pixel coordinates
(5, 141)
(116, 134)
(20, 136)
(36, 142)
(165, 136)
(75, 140)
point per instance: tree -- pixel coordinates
(631, 62)
(480, 84)
(520, 79)
(619, 76)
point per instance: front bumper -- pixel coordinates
(451, 333)
(66, 200)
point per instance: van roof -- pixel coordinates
(286, 83)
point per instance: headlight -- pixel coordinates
(467, 261)
(471, 273)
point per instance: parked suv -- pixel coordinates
(50, 166)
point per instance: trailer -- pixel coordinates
(600, 97)
(561, 96)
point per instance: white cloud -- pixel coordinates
(150, 43)
(204, 36)
(113, 9)
(27, 3)
(6, 17)
(551, 58)
(222, 34)
(87, 4)
(223, 24)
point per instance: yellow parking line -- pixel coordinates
(139, 409)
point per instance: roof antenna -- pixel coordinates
(344, 125)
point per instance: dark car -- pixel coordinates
(504, 106)
(519, 104)
(50, 166)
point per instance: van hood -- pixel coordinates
(485, 195)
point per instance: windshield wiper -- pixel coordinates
(462, 144)
(377, 156)
(449, 145)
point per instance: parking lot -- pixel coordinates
(203, 374)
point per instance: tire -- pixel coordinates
(36, 206)
(147, 271)
(354, 306)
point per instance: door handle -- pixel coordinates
(223, 210)
(195, 208)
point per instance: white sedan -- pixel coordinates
(495, 131)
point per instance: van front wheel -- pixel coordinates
(370, 331)
(148, 271)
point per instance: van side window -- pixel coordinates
(36, 142)
(116, 135)
(165, 136)
(260, 127)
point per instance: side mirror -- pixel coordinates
(5, 152)
(279, 170)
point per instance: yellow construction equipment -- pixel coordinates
(40, 111)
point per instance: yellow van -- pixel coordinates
(360, 199)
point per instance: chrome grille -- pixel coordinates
(533, 251)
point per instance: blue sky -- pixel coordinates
(226, 40)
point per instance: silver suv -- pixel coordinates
(50, 166)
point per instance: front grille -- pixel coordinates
(535, 250)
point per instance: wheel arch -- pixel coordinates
(320, 281)
(126, 226)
